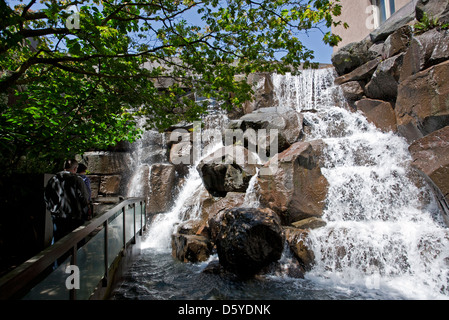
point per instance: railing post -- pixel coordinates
(144, 208)
(106, 262)
(124, 230)
(134, 219)
(141, 220)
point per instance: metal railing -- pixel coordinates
(69, 270)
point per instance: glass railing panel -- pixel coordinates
(115, 236)
(139, 216)
(53, 287)
(90, 261)
(129, 214)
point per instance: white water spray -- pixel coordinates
(164, 224)
(381, 231)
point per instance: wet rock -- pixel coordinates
(190, 248)
(162, 181)
(212, 206)
(263, 96)
(229, 169)
(247, 239)
(110, 185)
(431, 156)
(296, 189)
(378, 112)
(297, 240)
(422, 101)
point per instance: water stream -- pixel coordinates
(383, 239)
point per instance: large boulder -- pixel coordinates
(190, 248)
(378, 112)
(397, 42)
(363, 72)
(384, 82)
(425, 50)
(298, 242)
(266, 128)
(162, 182)
(352, 90)
(229, 169)
(422, 103)
(431, 157)
(247, 239)
(351, 56)
(296, 189)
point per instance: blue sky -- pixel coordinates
(314, 41)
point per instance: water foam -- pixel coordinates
(381, 231)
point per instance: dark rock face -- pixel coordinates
(352, 56)
(384, 82)
(422, 101)
(247, 239)
(190, 248)
(229, 169)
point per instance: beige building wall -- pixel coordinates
(359, 15)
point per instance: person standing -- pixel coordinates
(82, 172)
(67, 198)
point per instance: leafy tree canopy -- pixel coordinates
(75, 74)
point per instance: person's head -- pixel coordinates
(71, 165)
(81, 168)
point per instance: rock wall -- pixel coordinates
(401, 83)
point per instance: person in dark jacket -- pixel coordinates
(67, 198)
(82, 172)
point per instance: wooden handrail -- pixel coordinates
(18, 279)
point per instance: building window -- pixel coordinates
(386, 9)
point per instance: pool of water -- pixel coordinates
(156, 275)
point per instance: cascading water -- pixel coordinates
(382, 231)
(383, 238)
(162, 227)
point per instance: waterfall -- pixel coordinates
(251, 200)
(383, 236)
(187, 204)
(383, 231)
